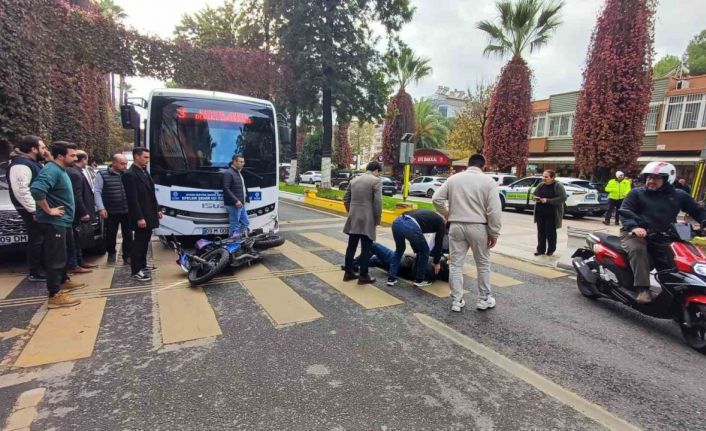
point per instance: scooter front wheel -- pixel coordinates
(695, 335)
(216, 262)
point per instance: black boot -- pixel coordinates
(366, 279)
(348, 276)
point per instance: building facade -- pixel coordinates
(675, 130)
(449, 102)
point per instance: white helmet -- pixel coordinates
(619, 174)
(666, 170)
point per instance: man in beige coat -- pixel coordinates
(471, 203)
(363, 201)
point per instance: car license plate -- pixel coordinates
(214, 231)
(13, 239)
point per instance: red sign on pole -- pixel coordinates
(430, 158)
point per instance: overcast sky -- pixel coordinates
(444, 31)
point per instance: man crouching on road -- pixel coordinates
(470, 202)
(55, 214)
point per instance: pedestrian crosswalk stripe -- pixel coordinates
(96, 280)
(366, 295)
(326, 241)
(65, 334)
(8, 283)
(281, 302)
(528, 267)
(185, 314)
(496, 279)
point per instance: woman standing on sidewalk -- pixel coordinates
(549, 199)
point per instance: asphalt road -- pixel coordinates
(358, 368)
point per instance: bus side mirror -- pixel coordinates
(129, 117)
(285, 133)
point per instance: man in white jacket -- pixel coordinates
(23, 169)
(471, 204)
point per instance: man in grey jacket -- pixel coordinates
(363, 201)
(235, 196)
(471, 204)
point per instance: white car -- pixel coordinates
(580, 201)
(426, 185)
(311, 177)
(501, 178)
(13, 236)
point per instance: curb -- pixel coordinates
(291, 196)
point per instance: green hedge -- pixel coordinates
(388, 202)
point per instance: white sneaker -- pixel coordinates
(484, 304)
(141, 276)
(458, 305)
(422, 283)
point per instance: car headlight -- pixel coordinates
(700, 269)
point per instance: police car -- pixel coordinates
(12, 229)
(580, 201)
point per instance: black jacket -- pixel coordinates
(657, 210)
(141, 199)
(113, 193)
(233, 187)
(83, 195)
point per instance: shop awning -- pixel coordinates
(569, 160)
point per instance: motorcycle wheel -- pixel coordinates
(695, 336)
(263, 242)
(217, 260)
(584, 286)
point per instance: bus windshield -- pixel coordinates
(193, 140)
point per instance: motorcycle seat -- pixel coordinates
(611, 241)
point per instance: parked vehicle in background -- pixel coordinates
(600, 188)
(13, 236)
(501, 178)
(398, 184)
(311, 177)
(426, 185)
(580, 202)
(389, 187)
(339, 177)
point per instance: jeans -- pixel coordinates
(366, 246)
(613, 205)
(463, 236)
(35, 239)
(404, 228)
(111, 233)
(238, 219)
(138, 251)
(54, 252)
(546, 234)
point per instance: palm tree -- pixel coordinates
(521, 25)
(432, 128)
(406, 67)
(403, 69)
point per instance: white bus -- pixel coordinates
(192, 136)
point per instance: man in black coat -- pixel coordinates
(235, 196)
(85, 212)
(144, 213)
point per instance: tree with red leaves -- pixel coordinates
(404, 68)
(522, 24)
(617, 84)
(342, 156)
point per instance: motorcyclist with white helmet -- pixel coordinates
(656, 206)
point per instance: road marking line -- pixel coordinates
(185, 314)
(98, 279)
(9, 282)
(25, 410)
(565, 396)
(65, 334)
(332, 215)
(521, 265)
(366, 295)
(314, 220)
(338, 225)
(281, 302)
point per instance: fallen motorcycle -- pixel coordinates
(603, 271)
(211, 257)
